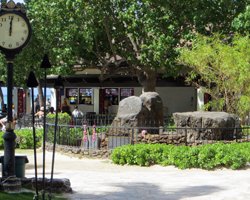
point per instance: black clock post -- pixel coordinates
(13, 40)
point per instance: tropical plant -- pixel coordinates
(221, 66)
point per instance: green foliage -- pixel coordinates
(1, 140)
(241, 22)
(63, 118)
(234, 155)
(63, 131)
(24, 138)
(67, 134)
(222, 66)
(145, 33)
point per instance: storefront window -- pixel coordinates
(112, 95)
(126, 92)
(85, 95)
(72, 95)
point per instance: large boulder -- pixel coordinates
(143, 111)
(203, 125)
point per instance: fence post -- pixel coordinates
(161, 130)
(236, 134)
(132, 137)
(186, 137)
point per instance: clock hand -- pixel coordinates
(10, 31)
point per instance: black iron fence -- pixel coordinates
(107, 137)
(91, 118)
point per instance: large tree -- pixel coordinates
(143, 33)
(96, 33)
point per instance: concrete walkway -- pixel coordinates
(100, 179)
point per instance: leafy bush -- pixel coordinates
(211, 156)
(1, 140)
(24, 138)
(63, 118)
(68, 134)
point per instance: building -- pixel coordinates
(89, 93)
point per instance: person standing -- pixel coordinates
(37, 104)
(107, 105)
(4, 120)
(40, 113)
(48, 104)
(77, 113)
(65, 107)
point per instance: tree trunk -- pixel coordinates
(148, 80)
(40, 93)
(2, 98)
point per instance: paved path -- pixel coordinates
(102, 180)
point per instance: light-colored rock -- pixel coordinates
(143, 111)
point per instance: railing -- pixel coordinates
(92, 118)
(89, 119)
(107, 137)
(25, 120)
(105, 120)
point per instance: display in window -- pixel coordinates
(126, 92)
(112, 95)
(72, 95)
(85, 95)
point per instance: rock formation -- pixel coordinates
(143, 111)
(207, 125)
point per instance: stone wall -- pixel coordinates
(88, 153)
(178, 139)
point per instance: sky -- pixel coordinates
(18, 1)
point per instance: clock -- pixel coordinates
(15, 31)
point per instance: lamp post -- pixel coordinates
(15, 34)
(44, 65)
(32, 82)
(58, 85)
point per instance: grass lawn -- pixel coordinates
(25, 196)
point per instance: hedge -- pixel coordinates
(210, 156)
(24, 138)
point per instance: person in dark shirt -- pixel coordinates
(65, 107)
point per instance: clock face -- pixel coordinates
(14, 31)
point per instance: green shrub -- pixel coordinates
(1, 140)
(24, 138)
(211, 156)
(63, 118)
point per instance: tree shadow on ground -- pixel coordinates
(137, 191)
